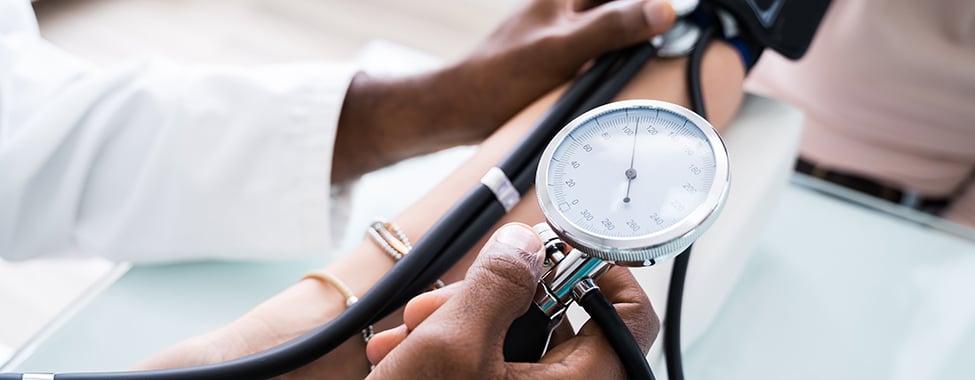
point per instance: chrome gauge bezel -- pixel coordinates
(643, 250)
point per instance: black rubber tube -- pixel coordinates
(591, 90)
(638, 56)
(528, 336)
(529, 349)
(694, 86)
(523, 157)
(459, 245)
(678, 275)
(675, 295)
(619, 336)
(586, 93)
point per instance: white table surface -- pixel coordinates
(834, 290)
(839, 291)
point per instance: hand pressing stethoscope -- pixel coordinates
(459, 330)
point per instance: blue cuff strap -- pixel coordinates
(746, 55)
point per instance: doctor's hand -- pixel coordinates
(458, 331)
(539, 47)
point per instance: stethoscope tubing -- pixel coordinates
(529, 150)
(678, 275)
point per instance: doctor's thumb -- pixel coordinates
(501, 282)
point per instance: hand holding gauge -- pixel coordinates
(628, 183)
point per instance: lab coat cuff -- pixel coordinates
(330, 85)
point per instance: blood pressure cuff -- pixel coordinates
(786, 26)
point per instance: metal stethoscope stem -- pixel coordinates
(571, 277)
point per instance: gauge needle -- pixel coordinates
(631, 172)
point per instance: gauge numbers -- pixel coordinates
(631, 171)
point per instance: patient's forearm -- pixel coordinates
(310, 303)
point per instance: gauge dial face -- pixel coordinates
(633, 170)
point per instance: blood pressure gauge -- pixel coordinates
(633, 182)
(628, 183)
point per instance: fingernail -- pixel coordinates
(659, 13)
(519, 236)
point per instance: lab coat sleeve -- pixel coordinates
(153, 161)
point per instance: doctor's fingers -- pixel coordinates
(415, 312)
(589, 354)
(421, 306)
(384, 342)
(498, 287)
(579, 35)
(461, 337)
(622, 23)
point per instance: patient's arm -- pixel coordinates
(310, 303)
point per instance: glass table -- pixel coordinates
(840, 287)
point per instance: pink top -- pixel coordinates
(888, 88)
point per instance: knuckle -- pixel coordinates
(614, 19)
(554, 38)
(510, 265)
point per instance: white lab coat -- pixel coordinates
(152, 161)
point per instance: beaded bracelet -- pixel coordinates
(392, 240)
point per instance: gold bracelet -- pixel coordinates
(350, 298)
(330, 279)
(392, 240)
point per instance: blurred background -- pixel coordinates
(262, 31)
